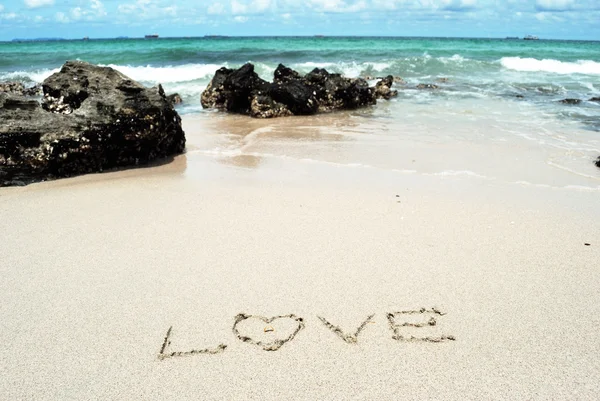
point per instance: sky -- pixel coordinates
(558, 19)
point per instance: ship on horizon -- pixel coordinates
(152, 36)
(531, 37)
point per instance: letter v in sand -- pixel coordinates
(349, 338)
(165, 353)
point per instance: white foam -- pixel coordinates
(35, 76)
(169, 74)
(549, 65)
(456, 58)
(348, 69)
(146, 74)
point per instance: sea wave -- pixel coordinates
(146, 74)
(419, 66)
(34, 76)
(169, 74)
(588, 67)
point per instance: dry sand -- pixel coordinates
(96, 269)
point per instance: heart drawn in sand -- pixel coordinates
(269, 333)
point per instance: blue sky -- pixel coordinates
(566, 19)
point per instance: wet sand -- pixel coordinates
(97, 269)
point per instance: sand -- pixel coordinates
(283, 279)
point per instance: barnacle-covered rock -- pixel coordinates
(91, 119)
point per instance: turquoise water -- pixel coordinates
(493, 92)
(178, 51)
(541, 71)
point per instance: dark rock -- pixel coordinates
(213, 97)
(598, 162)
(92, 119)
(263, 106)
(239, 87)
(571, 101)
(242, 91)
(427, 86)
(17, 88)
(298, 97)
(520, 96)
(383, 88)
(12, 87)
(335, 92)
(175, 99)
(595, 99)
(285, 74)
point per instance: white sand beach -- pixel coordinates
(96, 269)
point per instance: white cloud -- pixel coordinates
(96, 10)
(240, 18)
(1, 8)
(148, 9)
(8, 16)
(62, 18)
(215, 9)
(76, 13)
(38, 3)
(337, 6)
(251, 7)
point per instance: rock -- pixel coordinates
(595, 99)
(18, 88)
(285, 74)
(242, 91)
(335, 92)
(240, 86)
(598, 162)
(263, 106)
(298, 97)
(427, 86)
(571, 101)
(91, 119)
(383, 88)
(175, 99)
(212, 97)
(520, 96)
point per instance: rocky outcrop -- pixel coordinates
(175, 98)
(570, 101)
(595, 99)
(598, 162)
(17, 88)
(383, 88)
(243, 91)
(91, 119)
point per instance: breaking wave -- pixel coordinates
(587, 67)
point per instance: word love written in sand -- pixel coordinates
(271, 333)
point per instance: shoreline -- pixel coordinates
(230, 249)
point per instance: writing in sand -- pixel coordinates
(271, 333)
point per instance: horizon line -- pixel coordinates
(317, 36)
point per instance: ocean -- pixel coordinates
(500, 98)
